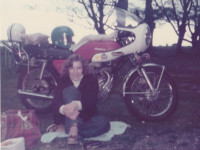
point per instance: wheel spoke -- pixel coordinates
(33, 84)
(146, 102)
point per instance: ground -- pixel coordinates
(181, 131)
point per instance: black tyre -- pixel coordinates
(148, 105)
(31, 83)
(12, 66)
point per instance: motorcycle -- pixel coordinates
(148, 90)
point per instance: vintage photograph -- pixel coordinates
(100, 74)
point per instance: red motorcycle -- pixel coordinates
(147, 89)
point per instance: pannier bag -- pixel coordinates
(20, 123)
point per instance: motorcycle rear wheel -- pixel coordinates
(12, 66)
(148, 105)
(31, 83)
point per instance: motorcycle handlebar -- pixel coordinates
(5, 44)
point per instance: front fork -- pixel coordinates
(43, 66)
(142, 72)
(44, 63)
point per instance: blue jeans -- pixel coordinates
(96, 125)
(70, 94)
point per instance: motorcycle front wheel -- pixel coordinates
(151, 105)
(31, 83)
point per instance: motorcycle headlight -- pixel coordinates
(148, 36)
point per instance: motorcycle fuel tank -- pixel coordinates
(88, 50)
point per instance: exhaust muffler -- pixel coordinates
(35, 95)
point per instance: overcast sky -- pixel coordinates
(45, 18)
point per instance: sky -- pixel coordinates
(44, 19)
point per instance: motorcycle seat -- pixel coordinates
(57, 53)
(47, 52)
(99, 37)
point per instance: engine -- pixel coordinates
(105, 78)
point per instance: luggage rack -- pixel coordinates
(18, 54)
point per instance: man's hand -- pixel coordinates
(71, 110)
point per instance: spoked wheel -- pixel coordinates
(31, 83)
(148, 104)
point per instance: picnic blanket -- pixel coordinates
(116, 128)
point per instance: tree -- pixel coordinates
(150, 13)
(98, 11)
(95, 12)
(122, 5)
(194, 25)
(177, 15)
(149, 19)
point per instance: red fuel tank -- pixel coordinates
(89, 49)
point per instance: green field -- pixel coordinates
(179, 131)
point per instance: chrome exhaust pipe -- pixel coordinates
(105, 88)
(35, 95)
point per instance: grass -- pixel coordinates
(179, 131)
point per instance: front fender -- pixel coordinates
(134, 70)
